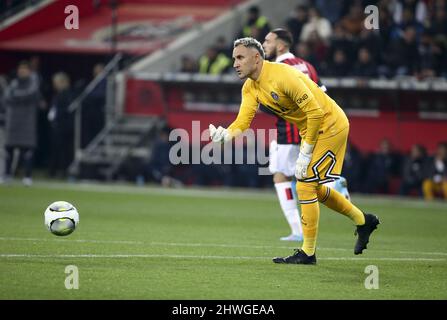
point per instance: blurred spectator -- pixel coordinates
(411, 39)
(317, 24)
(246, 173)
(22, 102)
(202, 174)
(332, 10)
(413, 171)
(38, 71)
(407, 21)
(352, 168)
(338, 65)
(303, 51)
(353, 22)
(439, 23)
(256, 25)
(296, 22)
(319, 46)
(36, 68)
(213, 62)
(370, 39)
(159, 168)
(382, 167)
(439, 56)
(3, 86)
(341, 40)
(189, 65)
(365, 66)
(435, 182)
(34, 62)
(93, 108)
(227, 171)
(61, 125)
(219, 174)
(427, 51)
(386, 24)
(223, 47)
(404, 54)
(439, 31)
(417, 8)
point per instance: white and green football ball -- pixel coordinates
(61, 218)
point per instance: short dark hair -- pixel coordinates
(301, 7)
(254, 10)
(284, 35)
(317, 10)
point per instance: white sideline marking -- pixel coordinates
(225, 193)
(212, 245)
(280, 247)
(175, 256)
(221, 193)
(69, 240)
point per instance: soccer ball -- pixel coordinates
(61, 218)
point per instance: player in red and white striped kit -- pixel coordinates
(284, 151)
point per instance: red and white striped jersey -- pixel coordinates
(287, 133)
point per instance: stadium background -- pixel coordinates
(395, 99)
(150, 230)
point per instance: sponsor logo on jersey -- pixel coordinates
(274, 96)
(300, 100)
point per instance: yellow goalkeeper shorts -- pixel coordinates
(327, 158)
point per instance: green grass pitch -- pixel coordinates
(151, 243)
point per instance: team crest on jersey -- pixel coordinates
(274, 96)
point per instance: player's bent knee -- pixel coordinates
(323, 192)
(307, 191)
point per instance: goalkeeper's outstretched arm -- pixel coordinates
(247, 112)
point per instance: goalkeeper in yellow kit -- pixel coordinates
(323, 127)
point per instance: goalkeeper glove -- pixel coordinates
(219, 135)
(303, 160)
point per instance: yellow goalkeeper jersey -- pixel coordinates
(293, 96)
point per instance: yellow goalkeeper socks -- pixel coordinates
(337, 202)
(310, 214)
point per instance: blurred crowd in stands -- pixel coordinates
(411, 39)
(385, 171)
(35, 118)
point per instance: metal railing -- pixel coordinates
(76, 106)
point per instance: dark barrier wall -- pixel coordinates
(405, 116)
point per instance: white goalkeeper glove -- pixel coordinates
(303, 160)
(219, 135)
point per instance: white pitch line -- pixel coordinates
(280, 247)
(211, 245)
(383, 259)
(219, 193)
(225, 193)
(70, 240)
(113, 256)
(247, 246)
